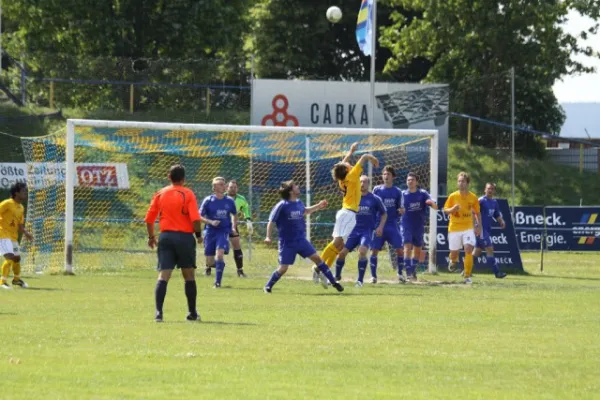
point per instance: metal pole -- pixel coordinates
(372, 85)
(0, 37)
(512, 147)
(308, 188)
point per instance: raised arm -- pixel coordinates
(317, 207)
(353, 148)
(368, 157)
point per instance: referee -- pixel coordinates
(179, 221)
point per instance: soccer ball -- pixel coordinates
(334, 14)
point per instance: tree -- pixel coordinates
(293, 39)
(472, 44)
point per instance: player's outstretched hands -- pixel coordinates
(249, 227)
(215, 222)
(375, 162)
(354, 147)
(429, 202)
(268, 240)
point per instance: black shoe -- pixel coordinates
(267, 289)
(217, 285)
(207, 271)
(193, 317)
(338, 287)
(338, 278)
(241, 273)
(501, 275)
(158, 317)
(19, 282)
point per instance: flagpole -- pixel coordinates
(372, 85)
(372, 79)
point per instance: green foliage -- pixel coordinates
(537, 182)
(473, 44)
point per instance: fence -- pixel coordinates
(218, 91)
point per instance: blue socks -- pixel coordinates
(220, 267)
(401, 264)
(339, 266)
(362, 268)
(374, 266)
(327, 272)
(491, 261)
(409, 267)
(274, 278)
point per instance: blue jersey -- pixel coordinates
(289, 218)
(392, 198)
(370, 210)
(490, 210)
(415, 208)
(218, 210)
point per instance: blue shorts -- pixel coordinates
(359, 237)
(413, 235)
(288, 251)
(214, 241)
(391, 235)
(484, 241)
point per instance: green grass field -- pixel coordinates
(92, 336)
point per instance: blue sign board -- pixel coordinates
(565, 228)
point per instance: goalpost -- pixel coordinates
(88, 213)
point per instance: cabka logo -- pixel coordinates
(280, 116)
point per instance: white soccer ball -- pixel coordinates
(334, 14)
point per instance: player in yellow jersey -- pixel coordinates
(348, 178)
(463, 206)
(12, 220)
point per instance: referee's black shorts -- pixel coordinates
(176, 249)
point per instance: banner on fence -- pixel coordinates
(41, 175)
(565, 228)
(504, 240)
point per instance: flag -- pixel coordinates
(364, 27)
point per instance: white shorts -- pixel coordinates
(456, 240)
(8, 246)
(345, 220)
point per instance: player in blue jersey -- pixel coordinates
(391, 196)
(219, 214)
(490, 211)
(288, 215)
(414, 215)
(370, 209)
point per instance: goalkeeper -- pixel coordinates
(243, 210)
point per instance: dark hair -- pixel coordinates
(464, 175)
(339, 171)
(177, 173)
(232, 181)
(16, 188)
(412, 174)
(285, 190)
(390, 169)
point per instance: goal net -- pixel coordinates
(89, 190)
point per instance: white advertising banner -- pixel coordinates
(40, 175)
(346, 105)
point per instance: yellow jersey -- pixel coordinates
(351, 187)
(462, 219)
(12, 214)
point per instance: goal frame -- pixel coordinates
(70, 171)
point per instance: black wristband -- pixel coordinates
(198, 234)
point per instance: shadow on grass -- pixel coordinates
(579, 278)
(43, 289)
(203, 322)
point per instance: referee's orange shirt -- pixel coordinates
(176, 207)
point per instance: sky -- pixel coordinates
(582, 88)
